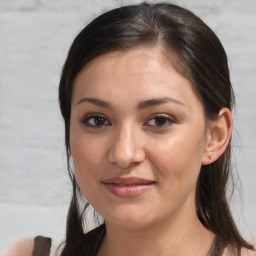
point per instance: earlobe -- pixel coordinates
(218, 137)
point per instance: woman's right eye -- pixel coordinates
(95, 121)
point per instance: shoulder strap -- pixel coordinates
(93, 240)
(42, 246)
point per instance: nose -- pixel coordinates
(126, 148)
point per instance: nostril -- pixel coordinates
(124, 157)
(126, 147)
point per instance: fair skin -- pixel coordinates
(24, 247)
(135, 119)
(133, 116)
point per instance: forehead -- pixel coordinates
(135, 61)
(138, 73)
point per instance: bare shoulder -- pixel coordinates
(246, 252)
(23, 247)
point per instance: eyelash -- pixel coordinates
(164, 117)
(167, 121)
(86, 121)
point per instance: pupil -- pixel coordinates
(160, 121)
(99, 120)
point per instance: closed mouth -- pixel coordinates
(128, 187)
(127, 181)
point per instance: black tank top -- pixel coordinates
(42, 246)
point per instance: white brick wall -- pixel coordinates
(34, 38)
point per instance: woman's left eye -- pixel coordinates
(160, 121)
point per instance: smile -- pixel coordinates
(127, 187)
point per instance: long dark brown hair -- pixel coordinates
(196, 52)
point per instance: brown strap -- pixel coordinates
(42, 246)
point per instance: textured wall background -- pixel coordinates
(34, 39)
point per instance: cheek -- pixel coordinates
(88, 158)
(178, 159)
(177, 164)
(84, 153)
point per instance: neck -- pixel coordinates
(181, 235)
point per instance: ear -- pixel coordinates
(218, 137)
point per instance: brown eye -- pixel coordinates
(96, 121)
(160, 121)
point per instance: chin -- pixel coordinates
(127, 224)
(129, 218)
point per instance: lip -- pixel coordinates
(127, 187)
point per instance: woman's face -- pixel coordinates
(137, 138)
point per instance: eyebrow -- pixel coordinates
(158, 101)
(97, 102)
(141, 105)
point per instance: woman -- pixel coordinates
(146, 99)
